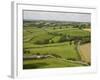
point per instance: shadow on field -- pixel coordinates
(34, 65)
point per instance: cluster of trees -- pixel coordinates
(73, 59)
(55, 34)
(81, 26)
(55, 55)
(40, 24)
(64, 38)
(26, 51)
(82, 39)
(45, 41)
(45, 55)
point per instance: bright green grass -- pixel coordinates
(48, 63)
(30, 45)
(71, 32)
(56, 38)
(35, 34)
(65, 51)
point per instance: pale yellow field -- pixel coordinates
(87, 30)
(85, 52)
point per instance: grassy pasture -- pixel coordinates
(45, 40)
(49, 63)
(65, 51)
(71, 32)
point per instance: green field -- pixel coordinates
(54, 44)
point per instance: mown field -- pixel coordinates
(51, 46)
(85, 52)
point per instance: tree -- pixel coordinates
(60, 27)
(70, 42)
(52, 41)
(62, 38)
(54, 28)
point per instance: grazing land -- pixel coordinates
(54, 44)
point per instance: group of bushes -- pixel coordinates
(82, 39)
(54, 24)
(73, 59)
(45, 41)
(26, 51)
(45, 55)
(64, 38)
(55, 55)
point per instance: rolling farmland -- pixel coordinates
(52, 44)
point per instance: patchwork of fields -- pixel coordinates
(53, 46)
